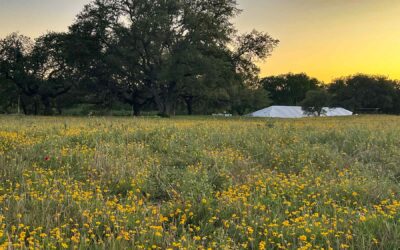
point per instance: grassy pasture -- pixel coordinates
(199, 183)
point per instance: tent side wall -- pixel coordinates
(296, 112)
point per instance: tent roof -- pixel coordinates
(296, 112)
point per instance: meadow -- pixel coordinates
(199, 183)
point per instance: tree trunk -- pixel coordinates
(167, 109)
(165, 100)
(137, 108)
(19, 104)
(319, 111)
(36, 107)
(158, 101)
(59, 110)
(170, 100)
(189, 105)
(163, 104)
(5, 108)
(47, 105)
(23, 106)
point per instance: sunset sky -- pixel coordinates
(323, 38)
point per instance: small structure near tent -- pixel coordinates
(296, 112)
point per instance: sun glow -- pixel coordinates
(325, 39)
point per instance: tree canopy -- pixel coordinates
(289, 89)
(362, 92)
(160, 54)
(315, 102)
(171, 57)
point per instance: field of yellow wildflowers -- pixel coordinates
(115, 183)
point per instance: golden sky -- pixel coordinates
(323, 38)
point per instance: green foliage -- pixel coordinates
(289, 89)
(246, 100)
(38, 70)
(8, 96)
(315, 101)
(366, 93)
(147, 54)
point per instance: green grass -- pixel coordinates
(200, 182)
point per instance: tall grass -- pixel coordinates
(198, 183)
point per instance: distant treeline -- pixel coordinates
(359, 93)
(166, 57)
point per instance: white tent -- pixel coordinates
(296, 112)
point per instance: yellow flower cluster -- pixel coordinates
(116, 183)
